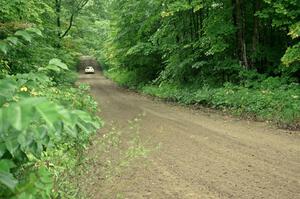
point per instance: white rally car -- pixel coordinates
(89, 70)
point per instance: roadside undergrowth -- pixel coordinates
(271, 100)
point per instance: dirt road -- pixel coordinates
(201, 155)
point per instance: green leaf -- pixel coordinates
(35, 30)
(295, 30)
(8, 180)
(45, 176)
(25, 195)
(51, 67)
(18, 115)
(199, 64)
(14, 116)
(3, 47)
(25, 35)
(25, 139)
(85, 117)
(291, 55)
(12, 144)
(6, 165)
(198, 7)
(58, 63)
(8, 88)
(48, 112)
(2, 149)
(71, 131)
(13, 40)
(27, 111)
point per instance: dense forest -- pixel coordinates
(238, 55)
(235, 55)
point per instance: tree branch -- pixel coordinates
(79, 7)
(69, 28)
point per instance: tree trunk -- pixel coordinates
(58, 10)
(58, 21)
(241, 33)
(255, 36)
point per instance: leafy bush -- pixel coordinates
(164, 91)
(273, 98)
(270, 100)
(39, 120)
(129, 78)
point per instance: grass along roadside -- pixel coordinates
(270, 100)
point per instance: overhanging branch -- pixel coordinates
(78, 7)
(69, 28)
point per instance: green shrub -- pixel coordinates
(129, 78)
(271, 100)
(38, 122)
